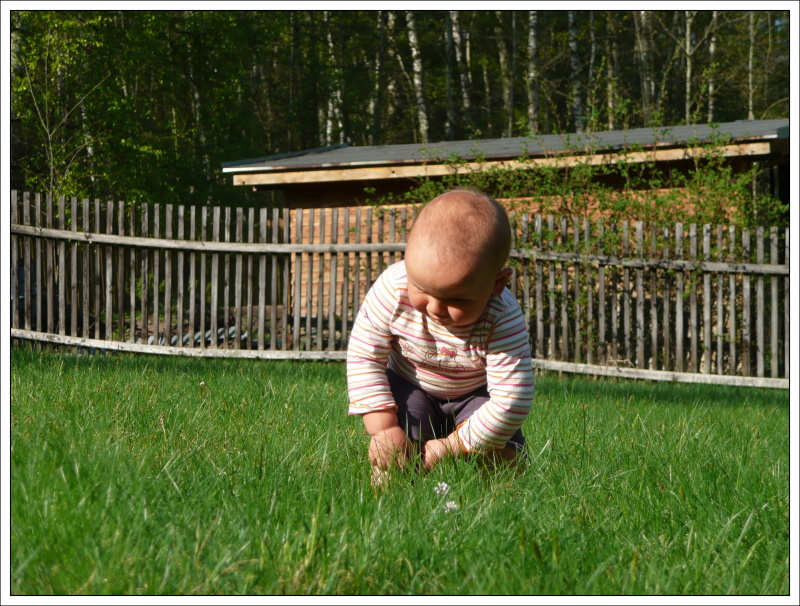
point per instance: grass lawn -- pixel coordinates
(149, 475)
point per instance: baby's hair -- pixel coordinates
(488, 229)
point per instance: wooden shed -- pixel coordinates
(338, 175)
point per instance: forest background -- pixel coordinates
(146, 105)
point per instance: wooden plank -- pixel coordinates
(786, 309)
(273, 300)
(297, 263)
(626, 287)
(156, 275)
(202, 294)
(578, 313)
(639, 298)
(120, 294)
(310, 282)
(226, 280)
(214, 309)
(732, 340)
(720, 308)
(679, 293)
(706, 303)
(238, 286)
(262, 278)
(665, 306)
(332, 283)
(250, 233)
(765, 269)
(14, 282)
(145, 273)
(132, 276)
(109, 278)
(526, 279)
(626, 373)
(97, 271)
(654, 282)
(26, 264)
(760, 304)
(192, 352)
(345, 294)
(49, 254)
(551, 273)
(590, 282)
(285, 282)
(659, 375)
(74, 269)
(380, 238)
(693, 325)
(320, 278)
(564, 351)
(357, 270)
(62, 270)
(773, 304)
(414, 171)
(193, 300)
(168, 279)
(747, 368)
(180, 283)
(540, 352)
(368, 273)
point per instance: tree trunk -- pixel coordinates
(379, 81)
(611, 75)
(752, 36)
(461, 69)
(577, 102)
(642, 54)
(502, 54)
(712, 55)
(416, 58)
(689, 15)
(334, 128)
(590, 85)
(533, 76)
(450, 99)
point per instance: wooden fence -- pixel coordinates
(684, 303)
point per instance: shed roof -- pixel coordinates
(344, 162)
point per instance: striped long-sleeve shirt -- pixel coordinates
(446, 362)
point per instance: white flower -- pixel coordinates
(450, 506)
(441, 489)
(202, 383)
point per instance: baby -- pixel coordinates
(439, 356)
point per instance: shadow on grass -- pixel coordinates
(661, 392)
(548, 383)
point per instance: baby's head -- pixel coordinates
(455, 256)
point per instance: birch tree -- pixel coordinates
(449, 53)
(462, 69)
(642, 42)
(416, 62)
(712, 56)
(502, 55)
(577, 101)
(531, 81)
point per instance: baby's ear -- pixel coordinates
(501, 281)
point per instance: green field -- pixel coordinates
(147, 475)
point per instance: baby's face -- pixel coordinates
(449, 297)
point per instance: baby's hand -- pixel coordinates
(436, 450)
(388, 447)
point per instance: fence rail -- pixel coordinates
(684, 303)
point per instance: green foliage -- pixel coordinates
(709, 191)
(147, 105)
